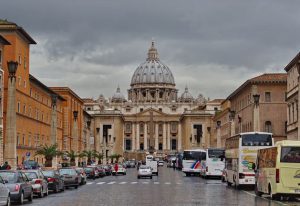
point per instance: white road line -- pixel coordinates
(122, 183)
(133, 183)
(111, 183)
(145, 182)
(89, 183)
(179, 183)
(156, 183)
(167, 183)
(101, 183)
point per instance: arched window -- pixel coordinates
(268, 126)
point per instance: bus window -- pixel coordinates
(216, 153)
(290, 154)
(192, 155)
(256, 140)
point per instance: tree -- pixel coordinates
(72, 156)
(89, 155)
(115, 156)
(99, 156)
(49, 152)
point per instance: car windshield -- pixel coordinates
(67, 172)
(31, 175)
(88, 169)
(49, 173)
(9, 176)
(290, 154)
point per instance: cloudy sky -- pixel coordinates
(211, 46)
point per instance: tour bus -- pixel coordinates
(191, 161)
(240, 155)
(214, 164)
(278, 170)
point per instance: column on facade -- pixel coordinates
(179, 137)
(156, 136)
(137, 135)
(112, 133)
(75, 134)
(164, 136)
(192, 133)
(256, 119)
(133, 130)
(145, 137)
(168, 136)
(53, 131)
(218, 134)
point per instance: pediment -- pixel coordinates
(147, 113)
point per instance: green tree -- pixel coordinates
(49, 152)
(99, 156)
(89, 155)
(72, 156)
(115, 156)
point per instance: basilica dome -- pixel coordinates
(118, 96)
(186, 96)
(153, 71)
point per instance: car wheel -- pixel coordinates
(150, 177)
(47, 192)
(138, 177)
(30, 197)
(76, 187)
(8, 201)
(21, 199)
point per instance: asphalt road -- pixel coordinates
(169, 188)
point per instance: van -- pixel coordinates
(277, 170)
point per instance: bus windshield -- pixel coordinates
(216, 153)
(193, 155)
(256, 140)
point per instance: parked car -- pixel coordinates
(101, 171)
(18, 184)
(82, 174)
(70, 177)
(4, 193)
(144, 171)
(90, 172)
(55, 180)
(121, 170)
(132, 163)
(38, 181)
(108, 170)
(160, 163)
(30, 164)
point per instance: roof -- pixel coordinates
(66, 89)
(43, 86)
(4, 41)
(6, 25)
(88, 100)
(267, 78)
(293, 62)
(216, 101)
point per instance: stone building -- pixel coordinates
(292, 98)
(28, 105)
(154, 118)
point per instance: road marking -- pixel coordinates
(101, 183)
(178, 183)
(89, 183)
(156, 183)
(167, 183)
(134, 183)
(145, 182)
(122, 183)
(111, 183)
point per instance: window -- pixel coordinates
(160, 109)
(19, 107)
(18, 139)
(141, 109)
(23, 139)
(174, 144)
(24, 109)
(267, 96)
(19, 80)
(20, 60)
(29, 139)
(24, 84)
(141, 146)
(290, 154)
(127, 144)
(268, 126)
(160, 146)
(25, 63)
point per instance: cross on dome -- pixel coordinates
(152, 53)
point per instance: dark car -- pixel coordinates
(108, 170)
(70, 177)
(55, 180)
(101, 170)
(90, 172)
(18, 184)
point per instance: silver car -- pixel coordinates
(38, 181)
(4, 193)
(145, 171)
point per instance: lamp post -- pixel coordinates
(10, 153)
(256, 119)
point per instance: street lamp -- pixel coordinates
(218, 124)
(12, 68)
(256, 99)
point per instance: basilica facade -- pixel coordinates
(153, 118)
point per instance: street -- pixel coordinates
(169, 188)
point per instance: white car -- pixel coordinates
(121, 170)
(144, 171)
(161, 163)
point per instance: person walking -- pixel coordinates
(116, 167)
(174, 164)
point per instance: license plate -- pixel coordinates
(297, 191)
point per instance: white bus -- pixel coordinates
(241, 154)
(191, 161)
(214, 164)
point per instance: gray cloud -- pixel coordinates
(213, 46)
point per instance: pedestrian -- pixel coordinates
(5, 166)
(174, 165)
(116, 167)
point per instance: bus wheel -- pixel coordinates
(272, 196)
(258, 193)
(187, 174)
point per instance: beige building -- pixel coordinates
(154, 118)
(292, 98)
